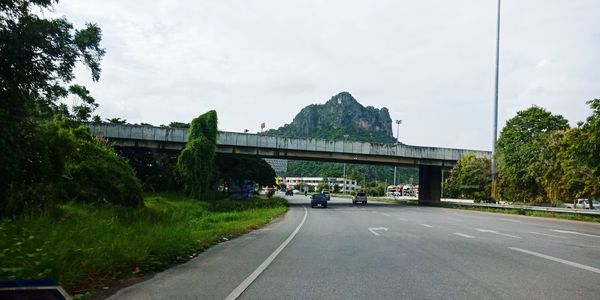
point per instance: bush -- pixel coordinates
(196, 163)
(40, 166)
(95, 174)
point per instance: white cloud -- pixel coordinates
(430, 62)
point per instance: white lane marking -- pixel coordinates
(556, 259)
(248, 281)
(464, 235)
(387, 215)
(550, 235)
(373, 229)
(510, 220)
(575, 232)
(403, 219)
(498, 233)
(427, 225)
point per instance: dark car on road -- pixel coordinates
(318, 199)
(289, 193)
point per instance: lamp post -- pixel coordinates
(345, 138)
(398, 122)
(495, 134)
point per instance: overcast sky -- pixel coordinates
(431, 63)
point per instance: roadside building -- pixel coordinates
(310, 183)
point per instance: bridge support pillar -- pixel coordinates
(430, 185)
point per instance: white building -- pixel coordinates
(311, 183)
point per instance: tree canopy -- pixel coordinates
(197, 160)
(47, 155)
(238, 167)
(519, 156)
(470, 179)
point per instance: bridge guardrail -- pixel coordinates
(179, 135)
(529, 207)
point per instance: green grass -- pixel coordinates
(87, 247)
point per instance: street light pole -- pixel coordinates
(496, 104)
(345, 137)
(398, 122)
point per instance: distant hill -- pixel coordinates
(343, 115)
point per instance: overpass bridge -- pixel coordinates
(430, 160)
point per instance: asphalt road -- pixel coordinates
(388, 251)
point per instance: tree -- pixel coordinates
(95, 174)
(37, 58)
(237, 167)
(336, 188)
(470, 178)
(323, 186)
(589, 150)
(179, 125)
(572, 160)
(82, 112)
(569, 176)
(116, 121)
(196, 163)
(519, 156)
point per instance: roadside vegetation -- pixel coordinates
(71, 206)
(541, 161)
(87, 247)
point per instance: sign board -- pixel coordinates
(32, 289)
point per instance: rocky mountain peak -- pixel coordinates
(341, 115)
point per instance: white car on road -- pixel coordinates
(583, 203)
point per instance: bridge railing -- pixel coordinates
(139, 132)
(358, 148)
(179, 135)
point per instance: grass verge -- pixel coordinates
(526, 212)
(87, 247)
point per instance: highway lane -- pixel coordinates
(410, 253)
(431, 253)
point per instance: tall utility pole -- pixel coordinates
(398, 122)
(345, 138)
(496, 105)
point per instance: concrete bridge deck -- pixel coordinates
(287, 148)
(430, 160)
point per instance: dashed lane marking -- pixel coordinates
(556, 259)
(510, 220)
(498, 233)
(575, 232)
(550, 235)
(464, 235)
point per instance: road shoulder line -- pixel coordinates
(248, 281)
